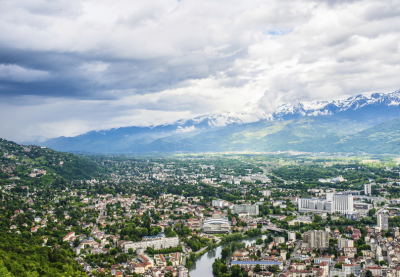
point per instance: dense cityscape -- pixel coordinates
(287, 214)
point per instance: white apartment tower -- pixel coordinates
(292, 236)
(343, 203)
(383, 221)
(367, 189)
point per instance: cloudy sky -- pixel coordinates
(68, 67)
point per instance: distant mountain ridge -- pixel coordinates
(292, 125)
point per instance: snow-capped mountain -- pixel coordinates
(230, 130)
(316, 108)
(312, 108)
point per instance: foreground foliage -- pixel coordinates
(19, 258)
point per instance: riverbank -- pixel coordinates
(202, 264)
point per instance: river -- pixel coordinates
(202, 267)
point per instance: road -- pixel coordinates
(97, 220)
(382, 209)
(288, 262)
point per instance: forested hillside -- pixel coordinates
(20, 160)
(32, 179)
(19, 256)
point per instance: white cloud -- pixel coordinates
(150, 62)
(187, 129)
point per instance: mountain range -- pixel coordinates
(364, 123)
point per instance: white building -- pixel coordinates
(383, 221)
(218, 203)
(216, 225)
(342, 203)
(251, 209)
(155, 242)
(266, 193)
(182, 271)
(343, 242)
(367, 189)
(292, 236)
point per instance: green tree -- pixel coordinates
(257, 268)
(317, 218)
(235, 271)
(76, 242)
(225, 252)
(368, 273)
(223, 268)
(130, 251)
(168, 274)
(4, 271)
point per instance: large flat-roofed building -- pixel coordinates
(362, 207)
(216, 225)
(155, 242)
(263, 264)
(246, 208)
(342, 203)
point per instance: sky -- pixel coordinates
(69, 67)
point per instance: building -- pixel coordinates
(362, 207)
(327, 259)
(337, 272)
(292, 236)
(383, 222)
(279, 240)
(266, 193)
(265, 265)
(251, 209)
(216, 225)
(316, 239)
(343, 242)
(155, 242)
(367, 189)
(350, 252)
(182, 271)
(353, 215)
(194, 223)
(219, 203)
(342, 203)
(351, 268)
(376, 270)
